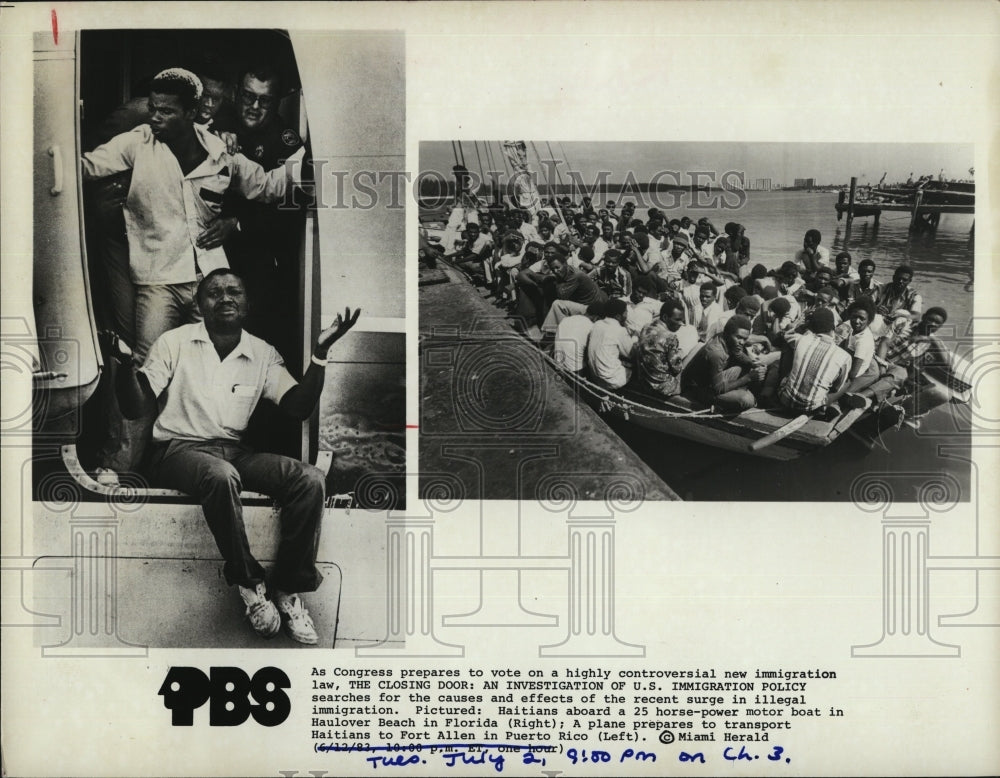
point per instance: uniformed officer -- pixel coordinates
(265, 249)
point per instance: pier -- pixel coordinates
(497, 418)
(925, 205)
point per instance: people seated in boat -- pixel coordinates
(722, 373)
(560, 232)
(820, 279)
(720, 251)
(661, 350)
(776, 320)
(609, 348)
(608, 232)
(914, 350)
(813, 254)
(475, 253)
(866, 285)
(569, 349)
(789, 280)
(506, 263)
(713, 232)
(428, 252)
(695, 276)
(592, 238)
(899, 295)
(870, 378)
(727, 260)
(826, 297)
(657, 242)
(511, 249)
(731, 295)
(843, 277)
(744, 305)
(738, 242)
(566, 291)
(583, 259)
(758, 279)
(819, 369)
(707, 310)
(527, 229)
(534, 257)
(545, 230)
(611, 278)
(636, 262)
(701, 247)
(487, 225)
(529, 285)
(643, 306)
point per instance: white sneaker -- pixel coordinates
(106, 477)
(300, 624)
(263, 615)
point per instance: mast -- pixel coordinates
(522, 180)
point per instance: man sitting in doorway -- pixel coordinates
(207, 378)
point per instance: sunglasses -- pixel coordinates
(249, 99)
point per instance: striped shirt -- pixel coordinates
(891, 298)
(819, 366)
(908, 350)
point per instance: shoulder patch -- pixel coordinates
(290, 138)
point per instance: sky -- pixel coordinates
(832, 163)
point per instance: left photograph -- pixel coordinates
(218, 364)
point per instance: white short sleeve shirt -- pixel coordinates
(203, 397)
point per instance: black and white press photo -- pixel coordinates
(720, 321)
(219, 368)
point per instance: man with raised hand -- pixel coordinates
(180, 175)
(207, 378)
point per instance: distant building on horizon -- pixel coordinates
(759, 185)
(805, 183)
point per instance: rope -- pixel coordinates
(608, 402)
(548, 187)
(482, 172)
(492, 164)
(558, 174)
(566, 160)
(628, 406)
(506, 162)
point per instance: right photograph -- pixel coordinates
(695, 320)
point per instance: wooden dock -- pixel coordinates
(924, 213)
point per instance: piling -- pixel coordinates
(915, 215)
(850, 200)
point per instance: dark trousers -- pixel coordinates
(215, 471)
